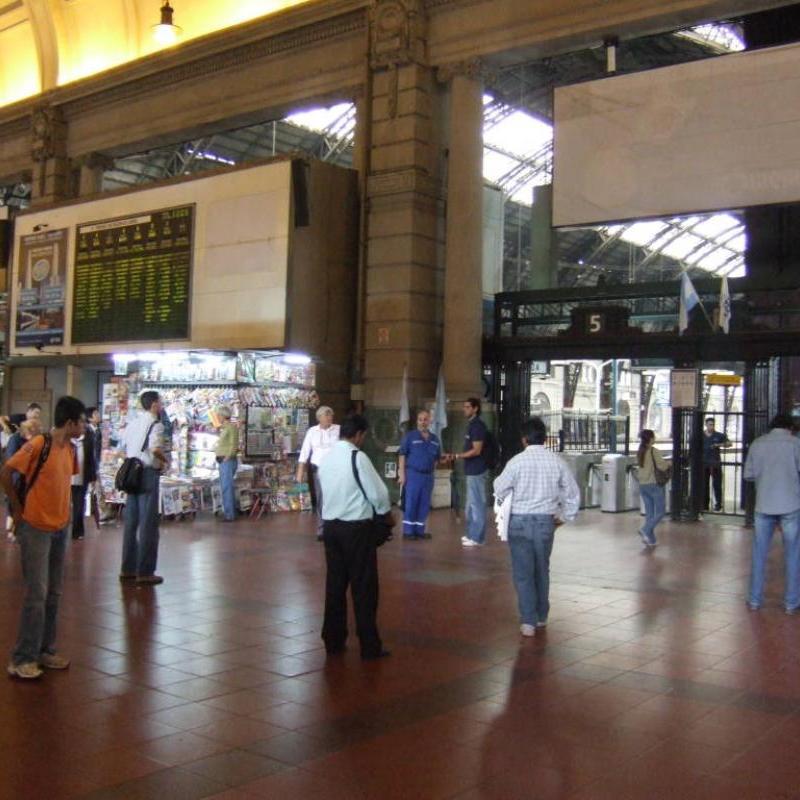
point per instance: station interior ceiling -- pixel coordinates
(518, 156)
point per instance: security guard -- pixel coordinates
(419, 452)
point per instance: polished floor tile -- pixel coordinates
(651, 681)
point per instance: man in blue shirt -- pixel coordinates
(419, 452)
(475, 469)
(350, 547)
(773, 462)
(713, 441)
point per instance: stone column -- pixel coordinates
(402, 323)
(463, 296)
(91, 168)
(51, 167)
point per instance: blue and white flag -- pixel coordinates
(689, 299)
(439, 422)
(725, 307)
(405, 413)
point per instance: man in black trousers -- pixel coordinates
(86, 459)
(350, 543)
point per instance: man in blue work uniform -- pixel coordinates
(419, 452)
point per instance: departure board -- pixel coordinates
(133, 278)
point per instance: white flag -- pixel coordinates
(405, 414)
(439, 422)
(689, 299)
(725, 307)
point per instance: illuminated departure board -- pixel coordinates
(132, 278)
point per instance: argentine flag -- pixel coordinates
(689, 299)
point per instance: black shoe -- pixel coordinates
(409, 536)
(376, 656)
(717, 508)
(336, 651)
(426, 536)
(320, 537)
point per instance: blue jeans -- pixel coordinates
(140, 540)
(530, 540)
(764, 527)
(42, 555)
(654, 504)
(475, 510)
(227, 472)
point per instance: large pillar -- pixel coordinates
(51, 167)
(402, 324)
(463, 296)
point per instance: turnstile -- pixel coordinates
(586, 469)
(620, 489)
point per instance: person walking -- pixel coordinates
(41, 515)
(84, 477)
(544, 495)
(475, 469)
(227, 453)
(418, 454)
(351, 557)
(650, 459)
(773, 464)
(318, 441)
(143, 440)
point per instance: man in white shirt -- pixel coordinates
(350, 547)
(143, 440)
(545, 495)
(317, 444)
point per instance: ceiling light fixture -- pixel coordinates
(166, 33)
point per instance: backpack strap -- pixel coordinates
(44, 454)
(358, 479)
(147, 436)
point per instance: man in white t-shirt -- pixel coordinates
(143, 440)
(317, 444)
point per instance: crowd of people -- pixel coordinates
(46, 477)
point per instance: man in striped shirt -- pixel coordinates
(545, 495)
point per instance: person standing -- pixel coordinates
(773, 463)
(227, 453)
(94, 423)
(84, 477)
(351, 556)
(41, 519)
(713, 441)
(544, 495)
(475, 469)
(143, 440)
(419, 452)
(653, 495)
(318, 441)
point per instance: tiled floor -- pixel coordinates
(652, 680)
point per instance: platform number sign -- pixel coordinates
(595, 323)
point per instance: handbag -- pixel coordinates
(382, 524)
(662, 476)
(130, 474)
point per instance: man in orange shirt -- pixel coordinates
(42, 517)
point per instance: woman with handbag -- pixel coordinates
(654, 472)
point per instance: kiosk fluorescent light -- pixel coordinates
(297, 359)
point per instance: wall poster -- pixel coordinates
(41, 285)
(132, 277)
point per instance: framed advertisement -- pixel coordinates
(685, 388)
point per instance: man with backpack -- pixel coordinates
(41, 510)
(475, 469)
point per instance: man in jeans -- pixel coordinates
(42, 520)
(475, 468)
(143, 440)
(545, 495)
(773, 462)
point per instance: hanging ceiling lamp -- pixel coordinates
(166, 33)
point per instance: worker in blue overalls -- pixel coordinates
(419, 452)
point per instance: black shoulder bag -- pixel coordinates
(131, 472)
(382, 524)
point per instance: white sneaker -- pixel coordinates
(465, 539)
(542, 623)
(469, 543)
(527, 630)
(28, 671)
(53, 661)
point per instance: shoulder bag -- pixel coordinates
(131, 472)
(662, 476)
(382, 524)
